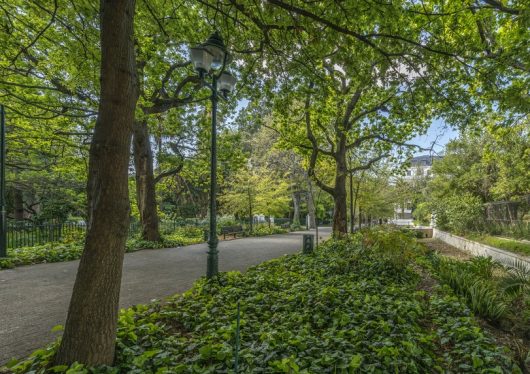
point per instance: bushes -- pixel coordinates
(352, 306)
(459, 213)
(264, 229)
(71, 247)
(49, 252)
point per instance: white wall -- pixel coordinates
(479, 249)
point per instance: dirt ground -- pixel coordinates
(445, 249)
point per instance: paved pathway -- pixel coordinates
(35, 298)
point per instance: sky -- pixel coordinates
(439, 133)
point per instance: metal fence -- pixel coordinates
(515, 229)
(28, 234)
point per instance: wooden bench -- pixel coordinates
(231, 230)
(285, 225)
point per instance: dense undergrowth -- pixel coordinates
(71, 247)
(355, 305)
(500, 294)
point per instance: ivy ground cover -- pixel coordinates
(354, 305)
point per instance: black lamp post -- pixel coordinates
(210, 60)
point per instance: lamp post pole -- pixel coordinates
(210, 60)
(213, 254)
(3, 220)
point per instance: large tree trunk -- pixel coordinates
(145, 182)
(296, 208)
(90, 330)
(311, 211)
(340, 216)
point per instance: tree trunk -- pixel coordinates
(90, 331)
(145, 182)
(355, 202)
(340, 216)
(352, 206)
(250, 212)
(296, 208)
(311, 204)
(18, 204)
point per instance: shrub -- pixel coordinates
(472, 280)
(344, 308)
(264, 229)
(49, 252)
(458, 213)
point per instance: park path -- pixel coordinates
(34, 299)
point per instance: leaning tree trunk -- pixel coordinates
(145, 182)
(340, 216)
(90, 330)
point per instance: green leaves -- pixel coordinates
(341, 310)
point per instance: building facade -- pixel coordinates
(418, 171)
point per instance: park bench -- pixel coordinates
(285, 225)
(231, 230)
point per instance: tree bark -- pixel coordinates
(352, 205)
(18, 204)
(145, 182)
(90, 331)
(296, 208)
(340, 216)
(311, 204)
(250, 211)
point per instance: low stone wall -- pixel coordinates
(479, 249)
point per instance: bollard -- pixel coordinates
(308, 243)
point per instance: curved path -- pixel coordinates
(33, 299)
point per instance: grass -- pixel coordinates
(510, 245)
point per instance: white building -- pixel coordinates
(420, 168)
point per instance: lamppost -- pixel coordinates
(210, 60)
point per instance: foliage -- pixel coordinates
(422, 214)
(517, 279)
(265, 229)
(498, 170)
(352, 306)
(252, 192)
(517, 229)
(498, 293)
(458, 213)
(50, 252)
(71, 246)
(472, 280)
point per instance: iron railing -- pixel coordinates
(28, 234)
